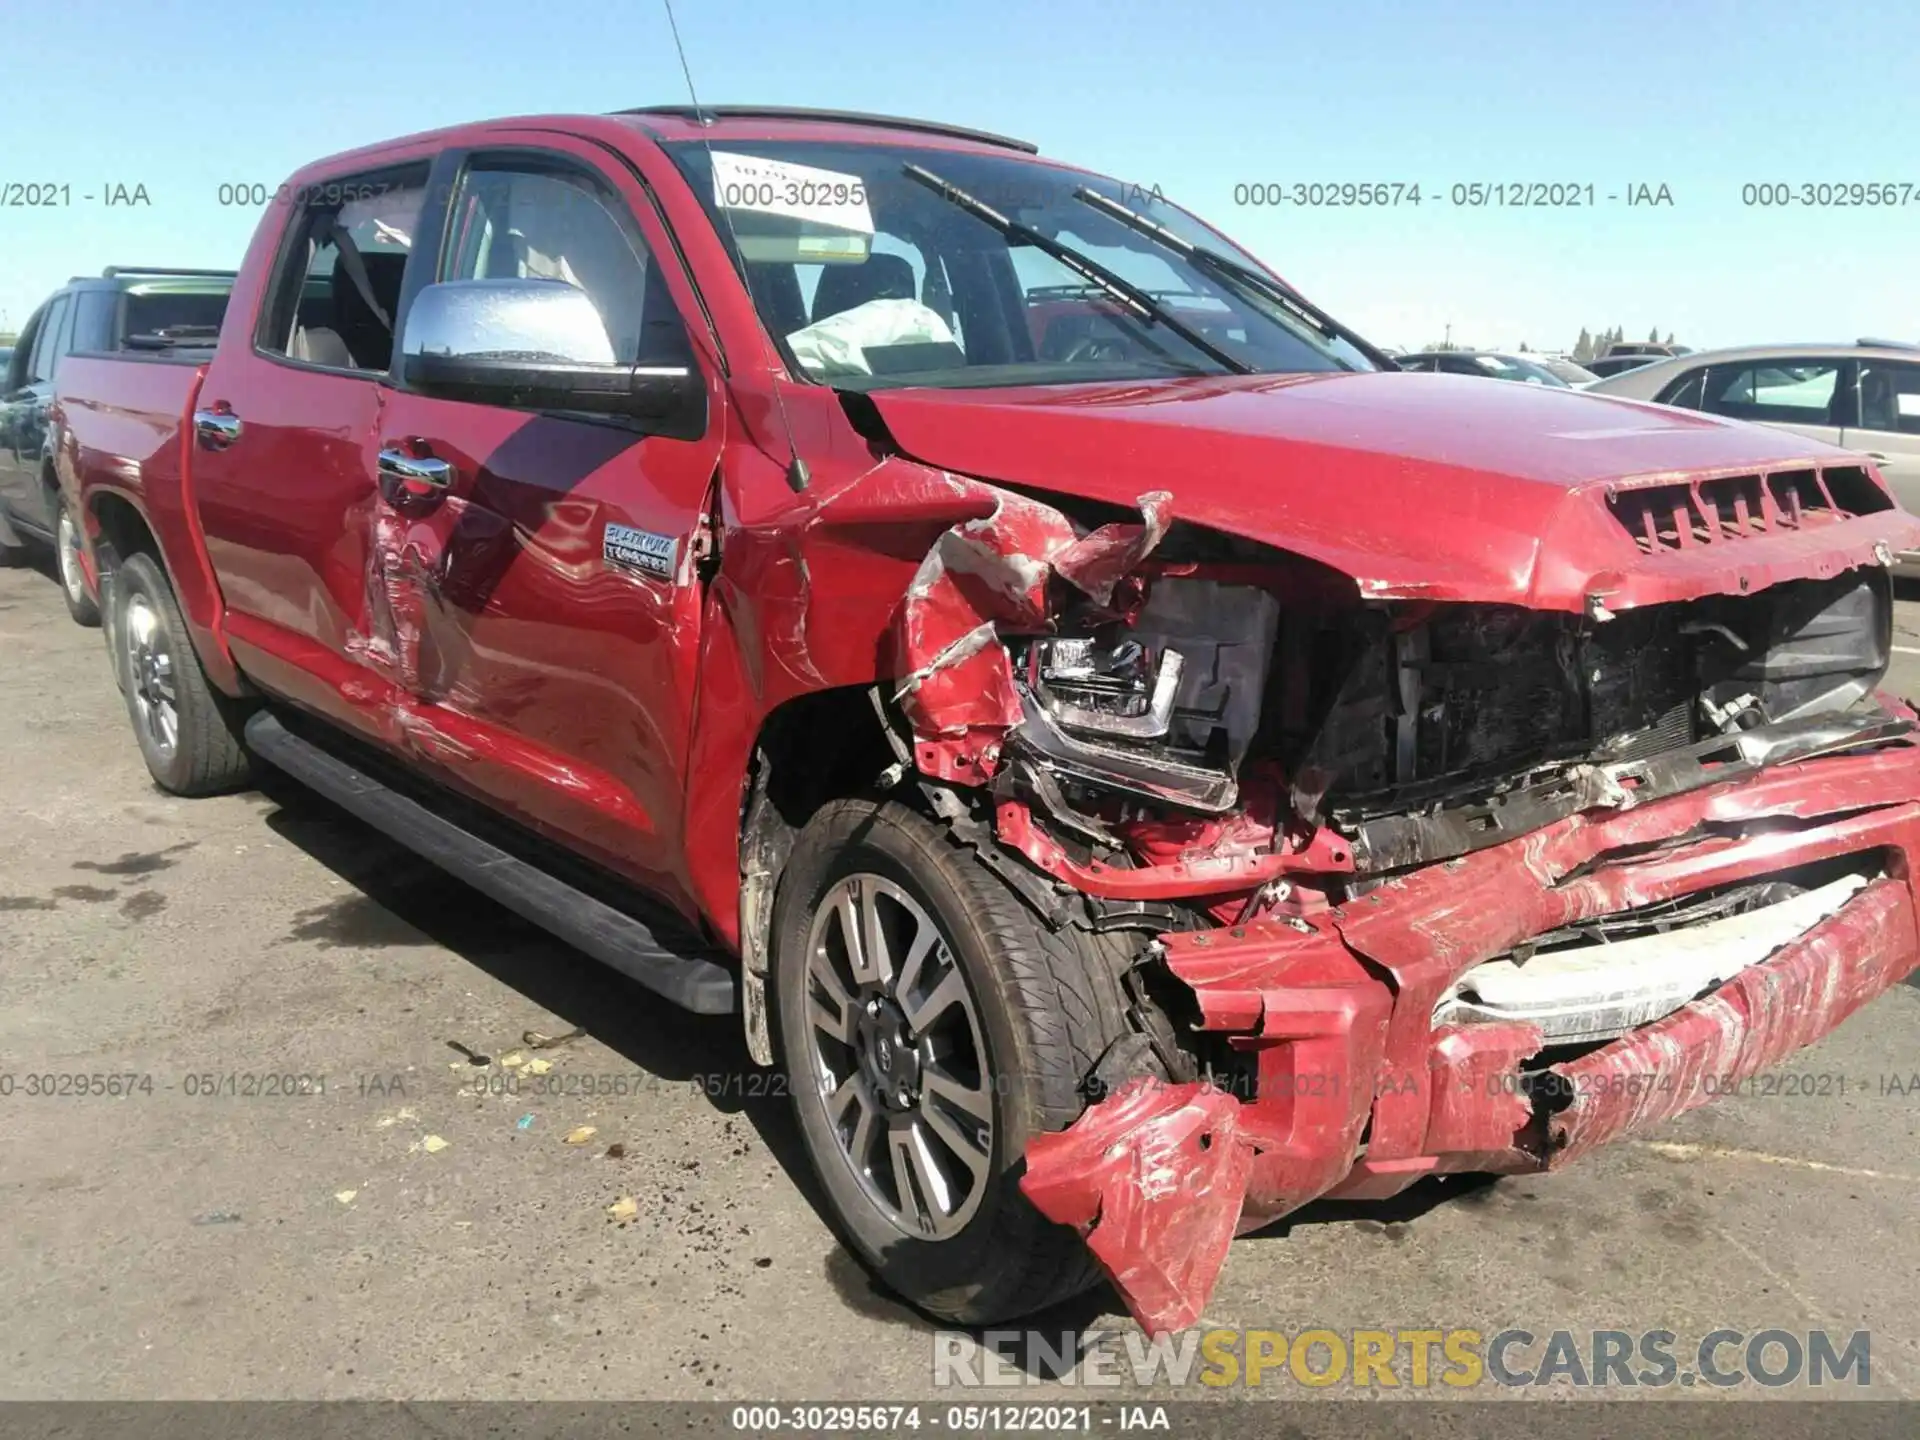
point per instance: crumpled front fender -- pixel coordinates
(983, 576)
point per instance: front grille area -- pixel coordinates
(1478, 693)
(1680, 514)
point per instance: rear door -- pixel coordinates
(550, 591)
(1889, 425)
(284, 437)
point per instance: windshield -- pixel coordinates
(868, 278)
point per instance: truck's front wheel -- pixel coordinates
(189, 733)
(930, 1025)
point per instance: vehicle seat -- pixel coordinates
(320, 345)
(1877, 410)
(368, 338)
(878, 277)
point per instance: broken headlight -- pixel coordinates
(1120, 689)
(1165, 707)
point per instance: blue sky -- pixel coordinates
(1196, 97)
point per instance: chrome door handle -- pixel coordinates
(215, 429)
(415, 475)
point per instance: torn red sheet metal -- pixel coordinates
(1153, 1178)
(982, 575)
(1336, 1011)
(1231, 871)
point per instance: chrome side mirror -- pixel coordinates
(538, 345)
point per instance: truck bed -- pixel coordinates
(122, 432)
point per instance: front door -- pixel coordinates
(548, 576)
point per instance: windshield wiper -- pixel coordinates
(1131, 296)
(1235, 273)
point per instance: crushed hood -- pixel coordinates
(1428, 486)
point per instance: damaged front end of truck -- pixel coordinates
(1423, 883)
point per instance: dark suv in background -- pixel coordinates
(123, 308)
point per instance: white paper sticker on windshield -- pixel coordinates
(1907, 404)
(797, 192)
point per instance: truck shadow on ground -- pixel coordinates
(398, 898)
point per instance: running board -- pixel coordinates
(608, 935)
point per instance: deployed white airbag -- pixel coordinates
(837, 344)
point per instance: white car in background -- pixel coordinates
(1528, 369)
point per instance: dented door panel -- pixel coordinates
(286, 514)
(539, 668)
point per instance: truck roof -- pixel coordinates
(154, 277)
(716, 121)
(671, 123)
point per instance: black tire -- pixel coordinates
(66, 560)
(206, 756)
(1049, 1003)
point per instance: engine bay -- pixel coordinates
(1419, 731)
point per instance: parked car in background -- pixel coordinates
(1645, 347)
(1490, 364)
(1864, 397)
(1135, 760)
(1569, 370)
(1619, 364)
(122, 308)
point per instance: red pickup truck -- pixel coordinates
(1138, 761)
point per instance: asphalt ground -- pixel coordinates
(310, 1192)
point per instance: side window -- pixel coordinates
(1890, 397)
(1785, 391)
(528, 220)
(337, 283)
(46, 345)
(1687, 391)
(93, 320)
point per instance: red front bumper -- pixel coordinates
(1338, 1018)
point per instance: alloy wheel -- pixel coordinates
(895, 1041)
(150, 680)
(73, 574)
